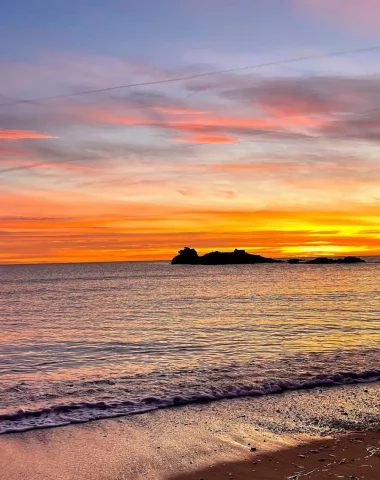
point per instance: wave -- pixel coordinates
(81, 412)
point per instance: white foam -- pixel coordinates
(65, 414)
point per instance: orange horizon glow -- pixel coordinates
(151, 232)
(145, 256)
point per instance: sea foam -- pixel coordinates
(81, 412)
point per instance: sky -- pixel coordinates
(281, 158)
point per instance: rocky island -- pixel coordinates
(327, 261)
(189, 256)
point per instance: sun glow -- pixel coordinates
(322, 250)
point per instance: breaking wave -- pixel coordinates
(71, 413)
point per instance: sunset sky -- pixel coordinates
(281, 159)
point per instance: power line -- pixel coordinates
(199, 75)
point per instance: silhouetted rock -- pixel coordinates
(321, 261)
(327, 261)
(189, 256)
(350, 260)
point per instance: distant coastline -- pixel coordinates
(189, 256)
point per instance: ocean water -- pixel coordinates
(86, 341)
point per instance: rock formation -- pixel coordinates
(189, 256)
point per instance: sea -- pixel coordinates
(80, 342)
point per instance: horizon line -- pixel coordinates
(168, 260)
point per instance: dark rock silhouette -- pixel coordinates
(327, 261)
(321, 261)
(189, 256)
(350, 260)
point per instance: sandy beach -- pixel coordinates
(352, 456)
(316, 434)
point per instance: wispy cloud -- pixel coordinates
(10, 151)
(208, 139)
(22, 134)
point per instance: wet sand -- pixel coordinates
(355, 456)
(233, 439)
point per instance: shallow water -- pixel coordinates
(84, 341)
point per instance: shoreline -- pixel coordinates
(207, 441)
(59, 415)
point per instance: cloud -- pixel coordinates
(69, 72)
(322, 165)
(280, 108)
(7, 151)
(282, 166)
(365, 127)
(225, 194)
(21, 165)
(289, 97)
(217, 127)
(235, 108)
(186, 192)
(322, 94)
(209, 139)
(359, 15)
(21, 134)
(178, 111)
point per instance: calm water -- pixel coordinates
(89, 341)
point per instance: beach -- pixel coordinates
(318, 433)
(352, 456)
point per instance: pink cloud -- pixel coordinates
(21, 135)
(43, 165)
(261, 166)
(362, 15)
(6, 151)
(207, 127)
(209, 139)
(179, 111)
